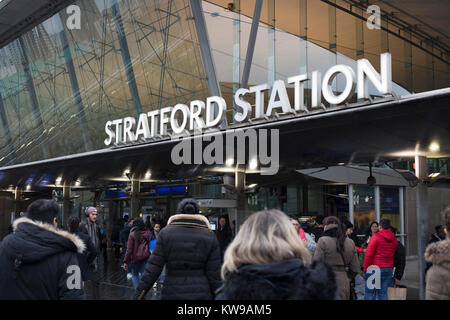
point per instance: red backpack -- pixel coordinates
(142, 251)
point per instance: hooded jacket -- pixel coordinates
(190, 251)
(438, 276)
(381, 250)
(39, 262)
(285, 280)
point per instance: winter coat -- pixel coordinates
(124, 234)
(326, 251)
(381, 249)
(84, 226)
(133, 245)
(399, 261)
(86, 258)
(39, 262)
(224, 236)
(285, 280)
(438, 276)
(191, 253)
(317, 232)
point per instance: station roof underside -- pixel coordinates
(377, 132)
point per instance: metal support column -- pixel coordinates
(135, 189)
(202, 35)
(271, 62)
(251, 43)
(407, 48)
(32, 94)
(359, 25)
(17, 198)
(402, 213)
(4, 119)
(74, 83)
(236, 49)
(303, 36)
(332, 38)
(351, 206)
(241, 197)
(205, 48)
(66, 204)
(422, 220)
(126, 58)
(377, 203)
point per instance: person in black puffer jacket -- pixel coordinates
(268, 261)
(39, 261)
(190, 251)
(86, 258)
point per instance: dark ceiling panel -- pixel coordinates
(19, 16)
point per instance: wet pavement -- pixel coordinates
(114, 284)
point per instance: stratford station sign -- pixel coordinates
(200, 115)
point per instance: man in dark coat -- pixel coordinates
(317, 231)
(88, 256)
(39, 261)
(191, 253)
(224, 235)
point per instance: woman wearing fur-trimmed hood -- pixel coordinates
(190, 251)
(438, 276)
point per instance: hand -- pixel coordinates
(125, 266)
(305, 242)
(397, 282)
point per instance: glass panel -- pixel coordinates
(390, 207)
(129, 56)
(337, 201)
(364, 208)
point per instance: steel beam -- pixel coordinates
(32, 94)
(202, 34)
(74, 84)
(422, 220)
(251, 43)
(4, 119)
(126, 58)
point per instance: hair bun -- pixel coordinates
(188, 206)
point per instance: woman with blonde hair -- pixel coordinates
(268, 261)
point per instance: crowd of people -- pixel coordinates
(271, 257)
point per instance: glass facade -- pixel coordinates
(58, 87)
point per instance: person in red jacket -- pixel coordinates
(379, 254)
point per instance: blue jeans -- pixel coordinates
(136, 269)
(385, 282)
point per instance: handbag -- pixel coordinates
(353, 295)
(397, 293)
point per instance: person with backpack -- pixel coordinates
(137, 250)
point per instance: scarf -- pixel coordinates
(92, 231)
